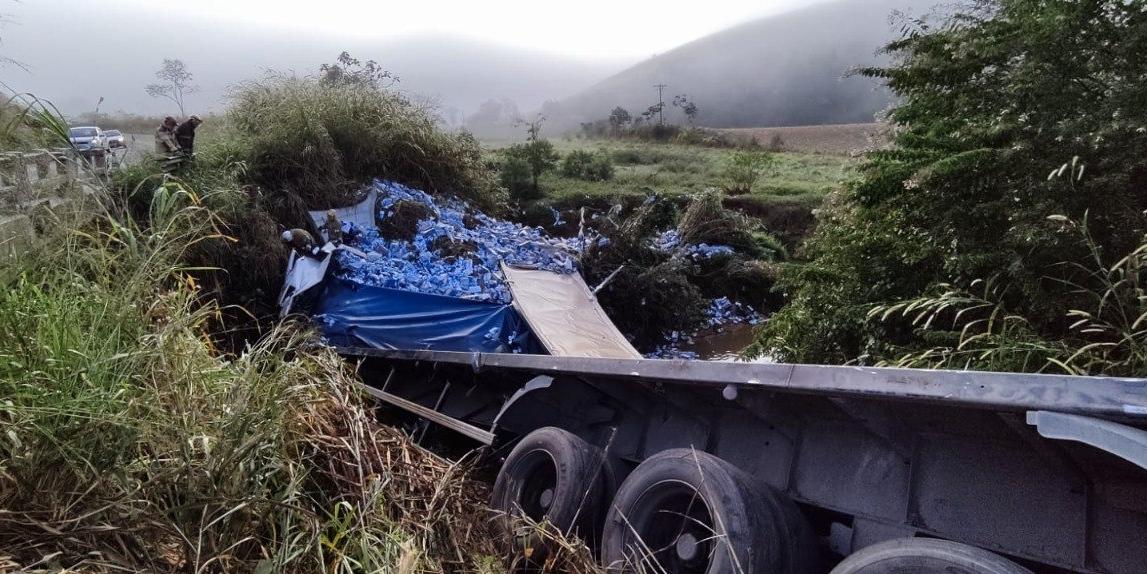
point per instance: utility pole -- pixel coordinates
(661, 103)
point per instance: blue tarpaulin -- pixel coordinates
(362, 315)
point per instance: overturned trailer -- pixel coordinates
(721, 468)
(682, 466)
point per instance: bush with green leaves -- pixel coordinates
(529, 159)
(514, 175)
(582, 164)
(990, 102)
(743, 169)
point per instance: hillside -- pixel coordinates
(457, 73)
(785, 70)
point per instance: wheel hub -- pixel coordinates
(546, 498)
(686, 546)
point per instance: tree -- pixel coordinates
(175, 83)
(690, 108)
(348, 71)
(619, 118)
(537, 153)
(988, 104)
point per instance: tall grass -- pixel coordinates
(313, 138)
(1105, 332)
(128, 444)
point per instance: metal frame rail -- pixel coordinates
(1107, 397)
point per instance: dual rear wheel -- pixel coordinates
(687, 512)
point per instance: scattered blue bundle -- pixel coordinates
(667, 240)
(671, 352)
(720, 312)
(725, 312)
(670, 349)
(705, 251)
(415, 266)
(670, 241)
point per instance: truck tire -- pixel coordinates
(693, 513)
(552, 474)
(926, 556)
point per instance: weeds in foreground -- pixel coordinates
(127, 444)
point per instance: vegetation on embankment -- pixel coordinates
(128, 443)
(1004, 229)
(131, 441)
(309, 137)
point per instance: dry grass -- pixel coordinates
(841, 139)
(128, 444)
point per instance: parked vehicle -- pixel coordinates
(721, 468)
(114, 139)
(86, 138)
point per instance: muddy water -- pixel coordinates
(724, 344)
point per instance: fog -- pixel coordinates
(95, 50)
(788, 70)
(73, 53)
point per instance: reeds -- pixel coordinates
(313, 138)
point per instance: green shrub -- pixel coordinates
(652, 295)
(998, 125)
(514, 174)
(743, 169)
(705, 220)
(536, 156)
(313, 138)
(581, 164)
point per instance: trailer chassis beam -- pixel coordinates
(1120, 440)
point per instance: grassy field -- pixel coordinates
(783, 198)
(672, 169)
(843, 139)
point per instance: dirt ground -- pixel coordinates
(833, 139)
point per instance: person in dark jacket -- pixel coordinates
(185, 134)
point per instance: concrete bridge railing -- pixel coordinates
(36, 185)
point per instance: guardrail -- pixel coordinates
(31, 181)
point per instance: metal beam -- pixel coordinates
(1124, 398)
(1123, 441)
(432, 415)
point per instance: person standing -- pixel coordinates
(334, 227)
(165, 142)
(185, 134)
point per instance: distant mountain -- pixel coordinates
(786, 70)
(101, 49)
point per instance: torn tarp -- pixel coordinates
(363, 315)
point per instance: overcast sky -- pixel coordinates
(459, 52)
(600, 28)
